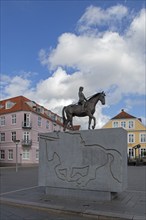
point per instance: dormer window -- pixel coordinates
(40, 109)
(9, 104)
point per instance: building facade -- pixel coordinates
(22, 119)
(136, 133)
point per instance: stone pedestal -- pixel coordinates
(89, 164)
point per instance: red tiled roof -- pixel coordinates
(76, 127)
(123, 115)
(20, 105)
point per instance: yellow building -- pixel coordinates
(136, 133)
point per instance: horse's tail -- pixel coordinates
(63, 115)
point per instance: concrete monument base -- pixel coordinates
(89, 164)
(92, 195)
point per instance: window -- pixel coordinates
(13, 135)
(143, 138)
(2, 154)
(37, 154)
(131, 138)
(9, 104)
(2, 121)
(25, 154)
(130, 153)
(13, 119)
(130, 124)
(2, 136)
(26, 136)
(47, 124)
(10, 154)
(39, 121)
(143, 152)
(115, 124)
(26, 122)
(38, 137)
(123, 124)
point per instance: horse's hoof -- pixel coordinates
(93, 127)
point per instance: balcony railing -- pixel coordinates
(27, 125)
(26, 143)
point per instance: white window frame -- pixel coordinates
(123, 124)
(26, 136)
(2, 154)
(2, 121)
(131, 152)
(10, 154)
(13, 119)
(131, 138)
(39, 121)
(26, 154)
(9, 104)
(142, 138)
(115, 124)
(2, 137)
(142, 150)
(131, 124)
(47, 124)
(13, 135)
(37, 154)
(27, 119)
(38, 137)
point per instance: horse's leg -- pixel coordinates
(71, 124)
(89, 122)
(66, 123)
(94, 122)
(90, 118)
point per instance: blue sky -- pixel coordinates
(50, 48)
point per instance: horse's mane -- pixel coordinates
(93, 96)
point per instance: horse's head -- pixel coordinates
(102, 97)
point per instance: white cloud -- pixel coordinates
(97, 17)
(106, 60)
(136, 34)
(14, 85)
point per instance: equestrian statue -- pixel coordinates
(85, 107)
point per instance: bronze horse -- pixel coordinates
(76, 110)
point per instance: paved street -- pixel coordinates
(27, 178)
(24, 178)
(17, 213)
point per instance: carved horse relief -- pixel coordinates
(84, 167)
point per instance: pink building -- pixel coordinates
(22, 119)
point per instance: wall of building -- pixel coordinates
(136, 131)
(26, 154)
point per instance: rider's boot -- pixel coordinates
(82, 108)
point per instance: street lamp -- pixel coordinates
(16, 142)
